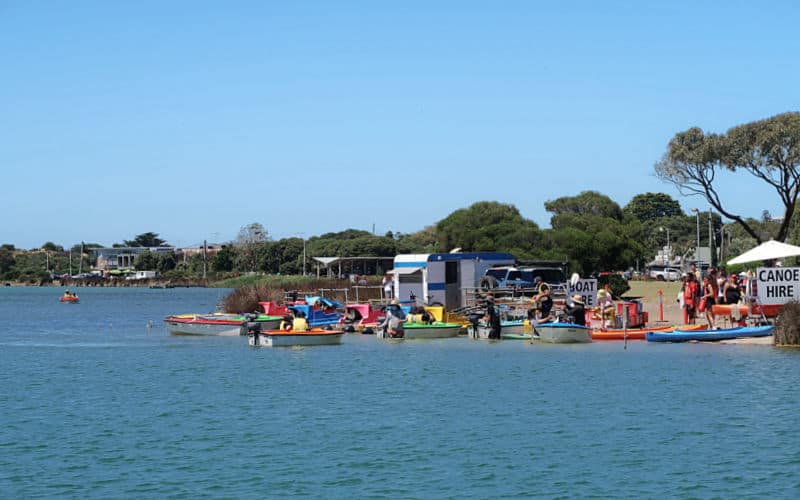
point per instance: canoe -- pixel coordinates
(637, 333)
(770, 310)
(284, 338)
(710, 335)
(221, 324)
(563, 333)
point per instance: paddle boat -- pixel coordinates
(319, 311)
(739, 332)
(437, 330)
(360, 317)
(223, 324)
(562, 333)
(288, 338)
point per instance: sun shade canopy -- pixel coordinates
(767, 251)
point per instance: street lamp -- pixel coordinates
(697, 250)
(667, 254)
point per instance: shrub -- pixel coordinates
(616, 283)
(787, 325)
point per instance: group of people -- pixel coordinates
(541, 310)
(295, 323)
(72, 295)
(700, 296)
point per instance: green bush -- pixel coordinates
(616, 283)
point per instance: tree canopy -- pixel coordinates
(768, 150)
(592, 232)
(146, 240)
(649, 206)
(586, 203)
(489, 226)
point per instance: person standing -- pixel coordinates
(492, 318)
(697, 276)
(387, 286)
(710, 293)
(542, 301)
(691, 293)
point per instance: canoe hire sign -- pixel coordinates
(777, 285)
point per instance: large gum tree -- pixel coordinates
(768, 150)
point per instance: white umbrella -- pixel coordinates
(767, 251)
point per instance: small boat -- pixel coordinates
(360, 316)
(436, 330)
(636, 333)
(319, 311)
(71, 299)
(739, 332)
(216, 324)
(563, 333)
(288, 338)
(509, 330)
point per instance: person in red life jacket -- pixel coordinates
(691, 293)
(710, 293)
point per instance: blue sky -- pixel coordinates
(193, 119)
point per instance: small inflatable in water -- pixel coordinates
(69, 299)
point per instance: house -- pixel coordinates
(121, 258)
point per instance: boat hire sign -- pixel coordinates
(587, 289)
(777, 285)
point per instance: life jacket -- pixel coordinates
(300, 325)
(690, 292)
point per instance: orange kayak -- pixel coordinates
(770, 311)
(637, 333)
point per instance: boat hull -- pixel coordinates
(636, 333)
(510, 330)
(69, 300)
(710, 335)
(415, 331)
(563, 333)
(220, 324)
(205, 328)
(288, 339)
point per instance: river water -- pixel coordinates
(99, 401)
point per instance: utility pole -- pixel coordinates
(205, 257)
(710, 232)
(697, 217)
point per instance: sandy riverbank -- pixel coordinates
(647, 292)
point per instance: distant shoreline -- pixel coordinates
(115, 283)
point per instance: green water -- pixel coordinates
(99, 401)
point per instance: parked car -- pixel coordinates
(665, 273)
(522, 276)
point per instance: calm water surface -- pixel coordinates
(94, 403)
